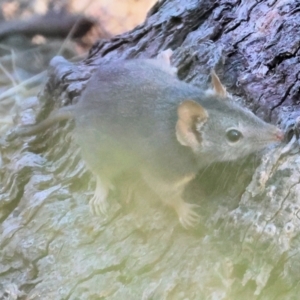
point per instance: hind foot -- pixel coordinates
(165, 58)
(98, 204)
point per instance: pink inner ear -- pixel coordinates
(189, 113)
(185, 136)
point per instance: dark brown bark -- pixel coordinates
(247, 246)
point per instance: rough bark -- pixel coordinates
(247, 245)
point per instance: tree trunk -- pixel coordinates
(247, 244)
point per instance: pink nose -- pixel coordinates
(279, 135)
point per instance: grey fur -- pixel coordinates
(126, 119)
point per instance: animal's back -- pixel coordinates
(127, 116)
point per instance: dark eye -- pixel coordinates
(233, 135)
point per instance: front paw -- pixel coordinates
(188, 217)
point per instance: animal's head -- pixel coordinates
(220, 130)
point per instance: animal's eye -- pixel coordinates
(233, 135)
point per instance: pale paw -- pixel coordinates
(188, 217)
(98, 205)
(165, 56)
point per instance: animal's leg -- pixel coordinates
(170, 193)
(98, 204)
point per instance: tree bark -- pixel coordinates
(247, 245)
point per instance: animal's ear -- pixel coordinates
(218, 88)
(191, 117)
